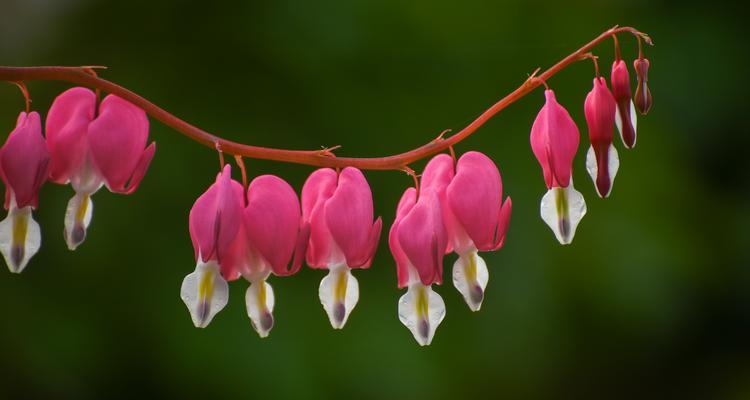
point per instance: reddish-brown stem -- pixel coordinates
(25, 91)
(595, 59)
(241, 164)
(79, 75)
(618, 53)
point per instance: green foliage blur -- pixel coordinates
(650, 300)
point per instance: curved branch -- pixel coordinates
(82, 76)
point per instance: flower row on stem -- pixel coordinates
(263, 228)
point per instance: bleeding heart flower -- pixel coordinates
(625, 117)
(602, 160)
(24, 165)
(271, 232)
(214, 223)
(339, 210)
(642, 98)
(419, 240)
(478, 220)
(90, 149)
(554, 140)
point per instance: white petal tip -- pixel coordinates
(470, 276)
(260, 300)
(421, 310)
(205, 293)
(339, 294)
(77, 219)
(20, 238)
(562, 209)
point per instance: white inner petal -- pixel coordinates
(470, 276)
(634, 121)
(339, 293)
(421, 310)
(613, 162)
(591, 166)
(78, 218)
(562, 209)
(259, 300)
(20, 237)
(204, 292)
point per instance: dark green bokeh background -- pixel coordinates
(650, 300)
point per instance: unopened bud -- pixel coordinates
(642, 98)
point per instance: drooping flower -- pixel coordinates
(642, 98)
(554, 141)
(625, 117)
(271, 232)
(92, 147)
(24, 165)
(478, 220)
(602, 160)
(418, 241)
(339, 210)
(214, 223)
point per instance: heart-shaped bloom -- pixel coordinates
(625, 117)
(602, 160)
(478, 220)
(554, 141)
(214, 223)
(642, 99)
(339, 210)
(418, 241)
(24, 165)
(271, 232)
(92, 147)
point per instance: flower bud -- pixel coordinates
(642, 99)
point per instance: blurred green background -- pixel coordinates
(651, 299)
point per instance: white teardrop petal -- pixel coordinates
(562, 209)
(77, 219)
(339, 293)
(470, 276)
(20, 238)
(592, 167)
(259, 300)
(634, 121)
(421, 310)
(614, 165)
(205, 293)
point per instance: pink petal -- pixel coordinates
(25, 160)
(438, 173)
(349, 215)
(116, 139)
(300, 249)
(216, 217)
(423, 238)
(318, 188)
(474, 197)
(67, 124)
(502, 224)
(408, 199)
(554, 141)
(272, 219)
(436, 176)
